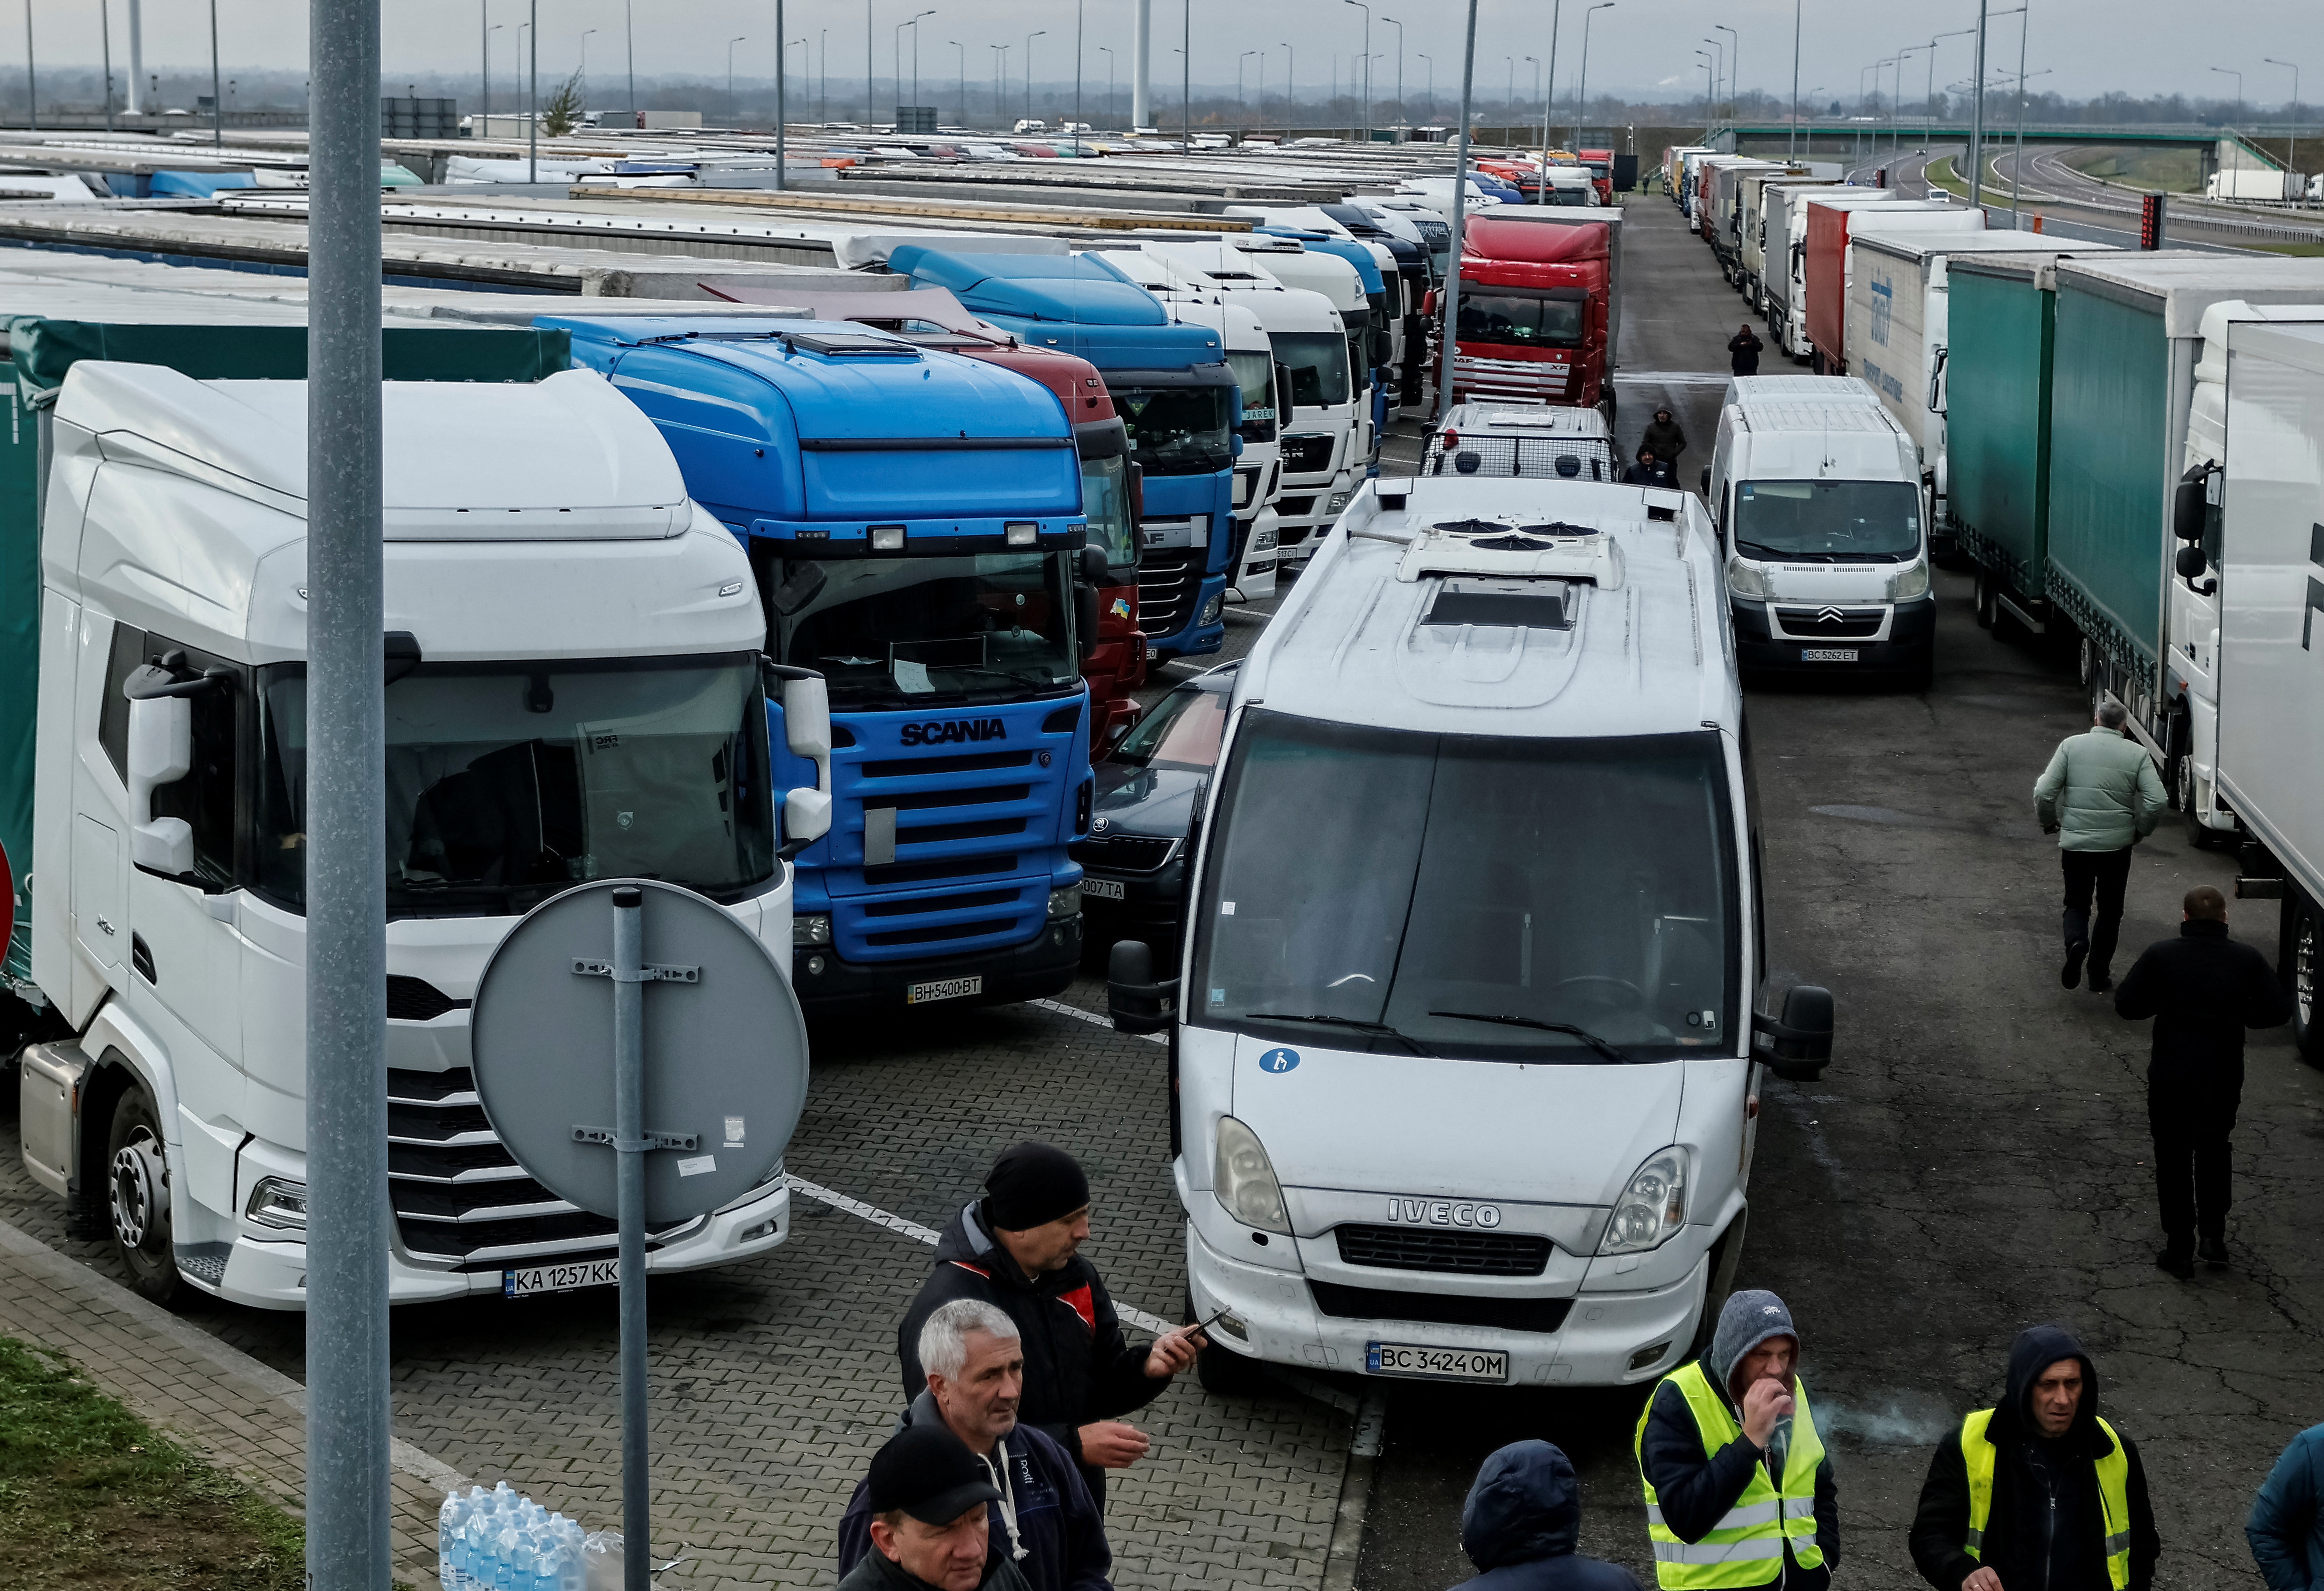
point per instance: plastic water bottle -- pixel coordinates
(449, 1520)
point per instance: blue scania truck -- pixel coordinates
(1175, 392)
(913, 520)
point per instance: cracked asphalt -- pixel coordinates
(1974, 1160)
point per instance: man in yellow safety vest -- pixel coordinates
(2037, 1494)
(1740, 1492)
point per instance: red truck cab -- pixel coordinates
(1537, 310)
(1112, 496)
(1600, 163)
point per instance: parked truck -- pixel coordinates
(1829, 264)
(1897, 330)
(575, 689)
(1541, 310)
(2266, 556)
(1787, 280)
(1177, 395)
(1763, 194)
(915, 528)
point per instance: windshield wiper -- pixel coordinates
(1378, 1028)
(1585, 1035)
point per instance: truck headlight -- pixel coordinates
(1211, 609)
(1746, 579)
(1652, 1206)
(1245, 1182)
(1065, 902)
(810, 928)
(1339, 501)
(278, 1201)
(1263, 542)
(1910, 583)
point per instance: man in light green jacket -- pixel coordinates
(2100, 796)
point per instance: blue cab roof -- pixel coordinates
(1075, 302)
(1323, 243)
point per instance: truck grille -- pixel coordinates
(1123, 853)
(410, 999)
(1308, 455)
(1529, 381)
(1168, 581)
(1461, 1254)
(1437, 1308)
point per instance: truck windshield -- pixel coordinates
(507, 781)
(1489, 898)
(1843, 522)
(1255, 373)
(1318, 363)
(1177, 430)
(1105, 503)
(1489, 315)
(891, 633)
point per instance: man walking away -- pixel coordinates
(975, 1366)
(1521, 1523)
(2202, 989)
(1664, 437)
(1743, 351)
(2038, 1493)
(1016, 1249)
(2100, 796)
(1739, 1493)
(2286, 1527)
(928, 1532)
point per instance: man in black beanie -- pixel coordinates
(1016, 1249)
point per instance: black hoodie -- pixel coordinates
(2047, 1529)
(1521, 1522)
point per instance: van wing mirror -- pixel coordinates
(1798, 1047)
(1136, 1002)
(807, 732)
(161, 751)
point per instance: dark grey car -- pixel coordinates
(1134, 862)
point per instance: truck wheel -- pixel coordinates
(1982, 589)
(2303, 950)
(137, 1178)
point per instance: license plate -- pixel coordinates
(1428, 1364)
(1828, 654)
(943, 989)
(544, 1279)
(1102, 888)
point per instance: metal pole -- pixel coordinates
(348, 1236)
(32, 84)
(1541, 188)
(1364, 7)
(2017, 163)
(629, 37)
(532, 102)
(1079, 52)
(484, 53)
(134, 106)
(868, 101)
(1794, 146)
(1185, 81)
(1141, 67)
(1976, 121)
(1582, 92)
(105, 36)
(1734, 63)
(782, 82)
(1446, 341)
(956, 45)
(1290, 86)
(629, 1197)
(218, 99)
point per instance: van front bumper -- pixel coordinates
(1599, 1343)
(1902, 646)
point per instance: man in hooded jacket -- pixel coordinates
(1016, 1248)
(2040, 1493)
(1521, 1523)
(1664, 437)
(1739, 1490)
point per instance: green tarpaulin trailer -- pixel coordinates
(2004, 320)
(228, 339)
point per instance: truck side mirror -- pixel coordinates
(2191, 562)
(1937, 384)
(2187, 505)
(1136, 1002)
(1138, 499)
(1085, 617)
(1798, 1048)
(1093, 567)
(1283, 386)
(807, 730)
(161, 751)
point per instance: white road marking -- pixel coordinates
(1075, 1012)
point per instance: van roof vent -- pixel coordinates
(1516, 604)
(1512, 548)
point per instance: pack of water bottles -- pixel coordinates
(499, 1541)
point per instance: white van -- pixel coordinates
(1817, 494)
(1465, 1075)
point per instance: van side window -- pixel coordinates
(205, 798)
(113, 712)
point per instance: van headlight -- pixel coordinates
(1909, 584)
(278, 1201)
(1746, 579)
(1652, 1206)
(1245, 1182)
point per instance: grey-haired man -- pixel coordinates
(1043, 1519)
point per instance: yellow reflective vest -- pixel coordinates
(1746, 1547)
(1978, 1456)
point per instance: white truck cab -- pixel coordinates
(575, 692)
(1464, 1073)
(1821, 511)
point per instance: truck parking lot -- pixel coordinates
(1972, 1163)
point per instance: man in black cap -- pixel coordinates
(928, 1529)
(1016, 1249)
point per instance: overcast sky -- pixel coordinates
(1643, 48)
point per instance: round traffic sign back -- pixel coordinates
(726, 1050)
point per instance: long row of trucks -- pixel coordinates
(2133, 452)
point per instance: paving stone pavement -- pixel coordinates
(774, 1381)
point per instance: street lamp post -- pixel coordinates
(104, 34)
(1401, 108)
(916, 55)
(585, 60)
(1432, 82)
(738, 39)
(1000, 81)
(823, 75)
(1028, 70)
(532, 100)
(2291, 153)
(495, 28)
(484, 24)
(630, 39)
(956, 45)
(1734, 62)
(1107, 52)
(1717, 71)
(1928, 100)
(2018, 169)
(1290, 88)
(1447, 333)
(2228, 71)
(1364, 7)
(1078, 54)
(1582, 92)
(1242, 105)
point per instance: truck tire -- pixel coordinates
(2303, 962)
(137, 1182)
(1981, 593)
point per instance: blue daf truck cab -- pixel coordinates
(1175, 392)
(913, 520)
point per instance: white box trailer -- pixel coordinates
(1898, 316)
(2270, 648)
(1761, 198)
(1787, 233)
